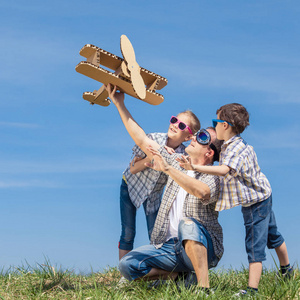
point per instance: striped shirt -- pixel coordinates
(203, 210)
(148, 184)
(244, 184)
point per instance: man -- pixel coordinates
(186, 236)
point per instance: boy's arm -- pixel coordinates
(212, 170)
(191, 185)
(134, 130)
(138, 164)
(185, 163)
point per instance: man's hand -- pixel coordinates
(116, 97)
(158, 163)
(185, 162)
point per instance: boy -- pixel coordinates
(242, 183)
(141, 185)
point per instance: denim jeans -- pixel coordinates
(261, 230)
(171, 256)
(128, 219)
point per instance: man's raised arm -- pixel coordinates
(134, 130)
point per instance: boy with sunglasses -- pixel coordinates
(187, 235)
(144, 186)
(242, 183)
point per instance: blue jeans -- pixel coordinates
(261, 230)
(128, 219)
(171, 256)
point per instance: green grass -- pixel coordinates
(47, 282)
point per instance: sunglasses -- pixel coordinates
(216, 121)
(182, 126)
(203, 137)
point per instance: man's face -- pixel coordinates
(196, 150)
(180, 135)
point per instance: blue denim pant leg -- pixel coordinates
(261, 230)
(140, 261)
(191, 229)
(275, 239)
(150, 219)
(128, 219)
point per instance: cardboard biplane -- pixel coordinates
(128, 76)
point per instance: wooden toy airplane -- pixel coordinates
(129, 77)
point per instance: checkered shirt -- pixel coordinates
(244, 184)
(148, 185)
(203, 210)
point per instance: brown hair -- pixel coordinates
(195, 123)
(215, 145)
(236, 114)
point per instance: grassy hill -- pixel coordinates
(47, 282)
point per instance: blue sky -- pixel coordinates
(61, 159)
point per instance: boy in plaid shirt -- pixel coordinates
(243, 183)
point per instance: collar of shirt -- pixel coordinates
(230, 141)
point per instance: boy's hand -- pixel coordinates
(185, 162)
(116, 97)
(158, 163)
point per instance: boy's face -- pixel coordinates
(178, 135)
(219, 129)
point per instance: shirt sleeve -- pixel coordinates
(213, 182)
(233, 160)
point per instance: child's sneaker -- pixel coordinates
(287, 275)
(246, 294)
(240, 293)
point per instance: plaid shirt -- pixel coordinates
(148, 185)
(244, 184)
(203, 210)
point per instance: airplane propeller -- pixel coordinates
(133, 67)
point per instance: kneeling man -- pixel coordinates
(187, 235)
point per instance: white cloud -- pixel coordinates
(19, 125)
(279, 138)
(37, 183)
(31, 58)
(275, 81)
(27, 183)
(60, 166)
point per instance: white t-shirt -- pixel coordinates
(176, 210)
